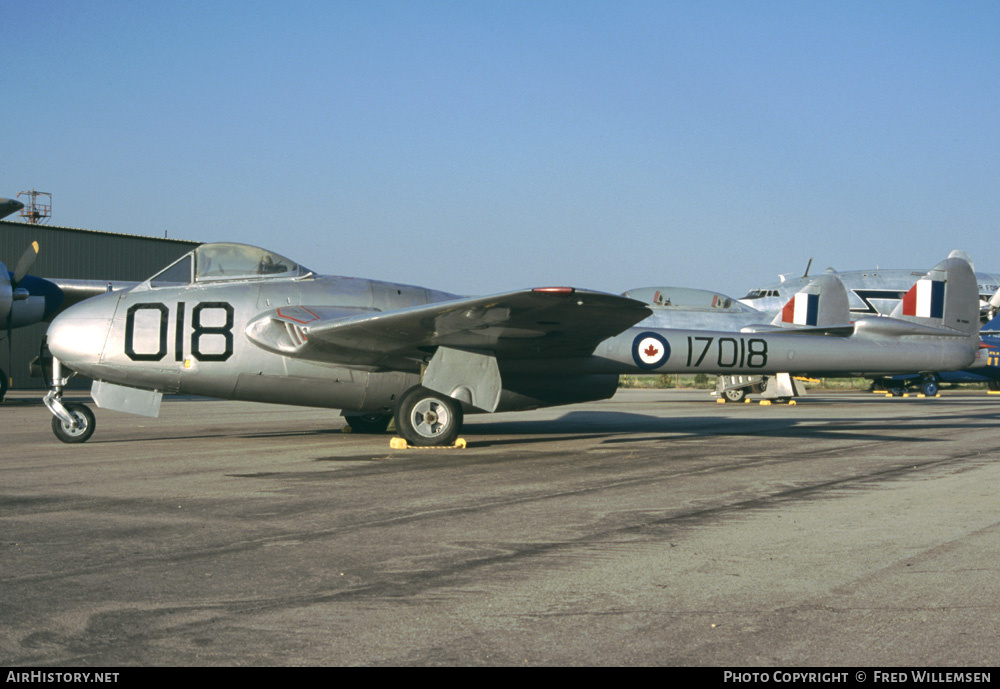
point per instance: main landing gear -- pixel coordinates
(734, 395)
(428, 418)
(928, 387)
(368, 424)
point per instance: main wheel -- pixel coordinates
(734, 395)
(368, 423)
(4, 382)
(83, 429)
(929, 388)
(428, 418)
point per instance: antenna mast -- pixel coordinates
(35, 211)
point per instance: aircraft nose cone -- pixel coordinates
(76, 336)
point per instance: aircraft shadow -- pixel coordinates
(624, 427)
(612, 426)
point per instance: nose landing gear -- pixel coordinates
(73, 422)
(81, 427)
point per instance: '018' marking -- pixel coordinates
(198, 331)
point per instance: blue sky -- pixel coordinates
(483, 146)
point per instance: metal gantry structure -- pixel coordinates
(37, 206)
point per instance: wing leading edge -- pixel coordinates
(526, 324)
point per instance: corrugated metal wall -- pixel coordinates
(66, 252)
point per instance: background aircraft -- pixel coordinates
(879, 291)
(869, 292)
(22, 301)
(26, 299)
(238, 322)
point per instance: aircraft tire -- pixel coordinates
(735, 395)
(3, 384)
(929, 388)
(368, 423)
(80, 434)
(426, 418)
(897, 391)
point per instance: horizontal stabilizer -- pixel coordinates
(839, 330)
(898, 328)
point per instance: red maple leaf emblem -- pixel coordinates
(650, 351)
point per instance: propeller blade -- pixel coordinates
(10, 345)
(6, 293)
(25, 263)
(10, 334)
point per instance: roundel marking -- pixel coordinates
(650, 351)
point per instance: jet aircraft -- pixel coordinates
(238, 322)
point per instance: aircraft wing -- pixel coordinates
(540, 323)
(75, 291)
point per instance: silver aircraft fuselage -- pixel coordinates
(190, 339)
(261, 337)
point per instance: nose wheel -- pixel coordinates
(73, 422)
(81, 428)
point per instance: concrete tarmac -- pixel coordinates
(658, 528)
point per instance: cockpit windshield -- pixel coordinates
(240, 262)
(762, 293)
(685, 298)
(227, 261)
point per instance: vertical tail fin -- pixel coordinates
(823, 302)
(947, 297)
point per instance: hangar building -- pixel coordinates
(70, 253)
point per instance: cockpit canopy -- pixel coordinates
(224, 261)
(686, 298)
